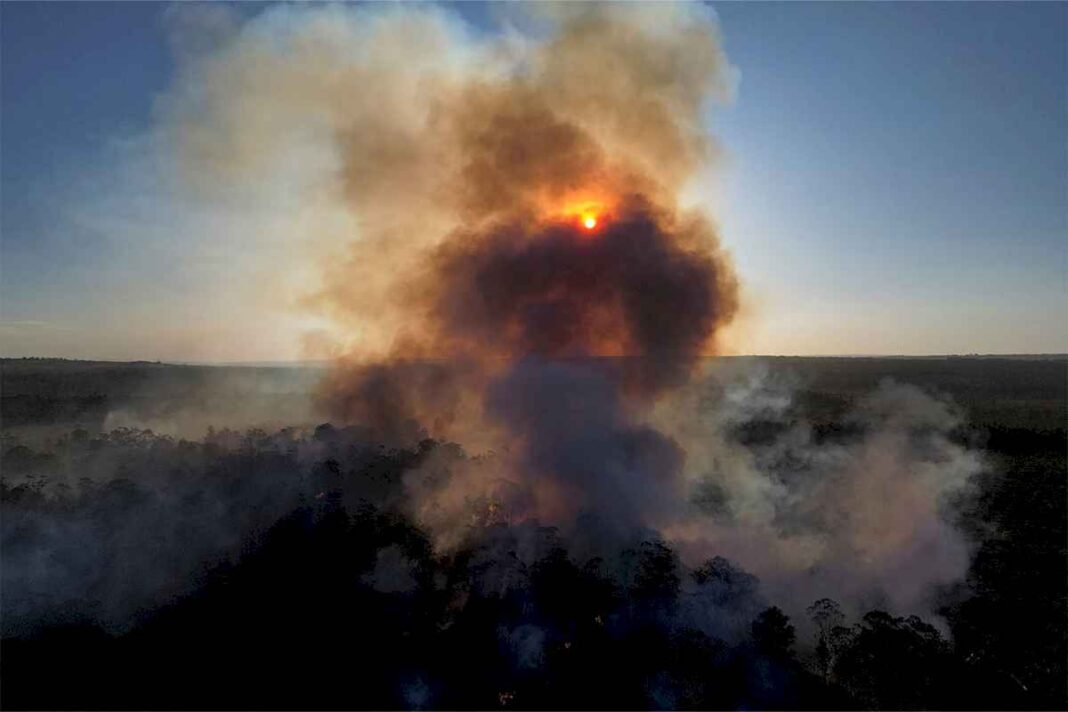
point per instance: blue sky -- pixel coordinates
(896, 178)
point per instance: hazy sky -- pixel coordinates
(895, 181)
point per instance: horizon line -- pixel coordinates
(282, 363)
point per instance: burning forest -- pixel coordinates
(523, 477)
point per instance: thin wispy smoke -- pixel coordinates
(858, 514)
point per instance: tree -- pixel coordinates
(897, 663)
(830, 633)
(730, 583)
(772, 633)
(657, 577)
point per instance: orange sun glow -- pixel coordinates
(588, 214)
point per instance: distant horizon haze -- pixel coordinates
(326, 363)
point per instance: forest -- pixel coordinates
(285, 568)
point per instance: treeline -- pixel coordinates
(255, 570)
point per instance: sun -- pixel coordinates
(586, 214)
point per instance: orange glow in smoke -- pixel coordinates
(587, 210)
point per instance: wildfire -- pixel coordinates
(589, 221)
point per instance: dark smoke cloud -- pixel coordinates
(516, 329)
(578, 450)
(551, 290)
(631, 289)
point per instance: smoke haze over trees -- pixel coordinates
(523, 477)
(290, 569)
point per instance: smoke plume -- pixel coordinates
(503, 260)
(518, 276)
